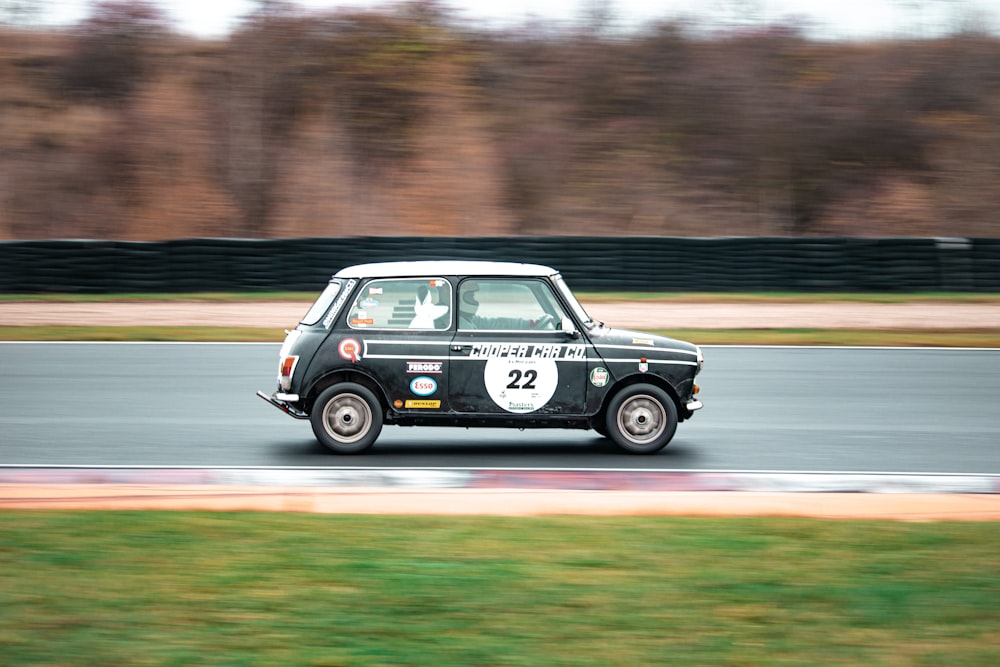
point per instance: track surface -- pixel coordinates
(823, 409)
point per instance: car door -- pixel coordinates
(509, 355)
(400, 331)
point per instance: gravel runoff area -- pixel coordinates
(636, 315)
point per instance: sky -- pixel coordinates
(831, 19)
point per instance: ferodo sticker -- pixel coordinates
(424, 367)
(521, 384)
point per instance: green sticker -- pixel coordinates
(599, 376)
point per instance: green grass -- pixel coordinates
(157, 588)
(791, 297)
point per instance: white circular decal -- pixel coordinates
(423, 386)
(519, 384)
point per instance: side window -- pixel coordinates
(512, 304)
(404, 303)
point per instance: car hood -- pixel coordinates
(640, 340)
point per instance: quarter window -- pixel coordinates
(322, 303)
(410, 303)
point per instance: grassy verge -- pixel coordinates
(927, 338)
(933, 338)
(155, 588)
(791, 297)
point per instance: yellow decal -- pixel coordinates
(417, 403)
(642, 341)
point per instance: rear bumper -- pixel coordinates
(693, 405)
(284, 402)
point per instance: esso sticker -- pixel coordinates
(423, 386)
(519, 384)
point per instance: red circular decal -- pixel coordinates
(350, 349)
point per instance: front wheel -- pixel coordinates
(641, 419)
(346, 418)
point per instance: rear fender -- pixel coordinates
(338, 376)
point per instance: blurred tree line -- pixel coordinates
(406, 121)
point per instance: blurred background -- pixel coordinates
(123, 120)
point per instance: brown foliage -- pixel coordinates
(401, 122)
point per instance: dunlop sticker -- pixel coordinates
(421, 403)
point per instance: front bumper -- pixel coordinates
(284, 402)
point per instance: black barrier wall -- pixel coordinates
(588, 263)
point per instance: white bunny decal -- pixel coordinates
(427, 311)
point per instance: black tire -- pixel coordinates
(346, 418)
(641, 419)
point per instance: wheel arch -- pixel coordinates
(345, 375)
(634, 379)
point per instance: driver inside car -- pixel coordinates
(468, 317)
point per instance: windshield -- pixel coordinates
(574, 305)
(322, 304)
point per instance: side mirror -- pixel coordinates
(566, 326)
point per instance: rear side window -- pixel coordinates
(403, 303)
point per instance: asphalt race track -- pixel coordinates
(776, 409)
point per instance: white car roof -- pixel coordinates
(443, 268)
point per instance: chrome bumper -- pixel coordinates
(283, 402)
(693, 405)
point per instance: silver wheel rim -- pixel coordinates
(347, 418)
(641, 419)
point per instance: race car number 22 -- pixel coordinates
(529, 377)
(521, 385)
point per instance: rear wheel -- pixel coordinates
(346, 418)
(641, 419)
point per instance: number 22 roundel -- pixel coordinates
(521, 385)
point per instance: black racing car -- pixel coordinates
(464, 343)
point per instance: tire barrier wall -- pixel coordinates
(588, 263)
